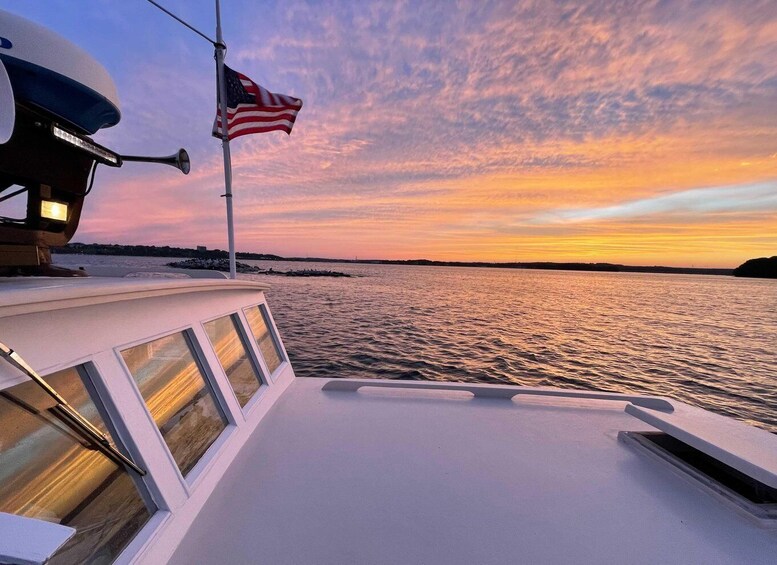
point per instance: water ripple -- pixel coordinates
(705, 340)
(708, 341)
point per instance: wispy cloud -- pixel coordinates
(749, 198)
(488, 129)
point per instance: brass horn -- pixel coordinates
(179, 160)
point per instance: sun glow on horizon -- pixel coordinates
(636, 133)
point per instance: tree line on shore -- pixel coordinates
(156, 251)
(765, 267)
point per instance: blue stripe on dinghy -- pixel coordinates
(64, 97)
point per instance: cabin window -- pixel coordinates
(49, 471)
(177, 395)
(259, 320)
(230, 347)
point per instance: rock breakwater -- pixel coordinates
(223, 265)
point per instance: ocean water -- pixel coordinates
(710, 341)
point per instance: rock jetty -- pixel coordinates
(223, 265)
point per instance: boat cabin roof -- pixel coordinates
(435, 475)
(56, 322)
(373, 471)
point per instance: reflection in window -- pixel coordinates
(48, 471)
(231, 351)
(177, 396)
(259, 321)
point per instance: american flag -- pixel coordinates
(253, 109)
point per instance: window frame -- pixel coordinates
(269, 322)
(248, 342)
(94, 384)
(189, 481)
(117, 429)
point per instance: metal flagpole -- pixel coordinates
(222, 88)
(222, 92)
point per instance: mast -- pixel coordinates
(221, 49)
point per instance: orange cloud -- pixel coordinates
(445, 133)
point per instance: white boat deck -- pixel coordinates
(430, 476)
(334, 471)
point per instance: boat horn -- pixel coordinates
(179, 160)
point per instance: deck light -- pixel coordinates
(53, 210)
(103, 154)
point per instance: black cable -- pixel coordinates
(91, 181)
(14, 193)
(179, 20)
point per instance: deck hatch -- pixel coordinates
(748, 493)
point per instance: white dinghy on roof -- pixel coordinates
(227, 457)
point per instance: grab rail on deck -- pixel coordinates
(506, 392)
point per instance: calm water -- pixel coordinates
(707, 340)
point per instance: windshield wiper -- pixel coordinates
(69, 414)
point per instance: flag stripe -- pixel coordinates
(259, 121)
(266, 97)
(258, 112)
(266, 126)
(252, 128)
(232, 122)
(234, 126)
(253, 109)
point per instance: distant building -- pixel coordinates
(202, 248)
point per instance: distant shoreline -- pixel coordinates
(167, 251)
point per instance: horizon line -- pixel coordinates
(442, 262)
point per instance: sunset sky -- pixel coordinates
(633, 132)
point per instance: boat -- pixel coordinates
(148, 420)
